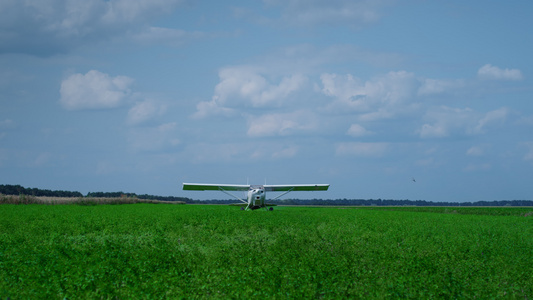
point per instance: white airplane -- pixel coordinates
(256, 193)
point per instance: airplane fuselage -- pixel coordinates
(256, 196)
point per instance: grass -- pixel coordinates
(200, 251)
(492, 211)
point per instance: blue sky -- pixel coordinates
(142, 95)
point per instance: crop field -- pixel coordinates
(153, 251)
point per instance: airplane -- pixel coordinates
(256, 193)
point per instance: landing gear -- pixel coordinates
(256, 207)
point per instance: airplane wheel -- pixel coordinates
(271, 208)
(242, 208)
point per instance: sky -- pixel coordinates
(140, 96)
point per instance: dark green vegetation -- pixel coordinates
(174, 251)
(7, 189)
(392, 202)
(19, 190)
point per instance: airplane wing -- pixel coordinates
(214, 187)
(296, 187)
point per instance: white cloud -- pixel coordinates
(497, 116)
(362, 149)
(475, 151)
(245, 85)
(154, 138)
(446, 120)
(387, 93)
(490, 72)
(145, 111)
(242, 151)
(273, 151)
(94, 90)
(166, 36)
(206, 109)
(45, 27)
(357, 130)
(437, 86)
(354, 13)
(348, 89)
(281, 123)
(435, 130)
(136, 10)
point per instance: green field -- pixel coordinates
(200, 251)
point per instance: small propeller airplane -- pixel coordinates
(256, 193)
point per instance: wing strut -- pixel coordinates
(230, 194)
(290, 190)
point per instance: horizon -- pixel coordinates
(128, 194)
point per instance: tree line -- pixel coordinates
(7, 189)
(19, 190)
(373, 202)
(390, 202)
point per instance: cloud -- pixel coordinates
(497, 116)
(489, 72)
(338, 12)
(475, 151)
(154, 138)
(240, 151)
(438, 86)
(347, 88)
(247, 85)
(244, 86)
(206, 109)
(145, 111)
(362, 149)
(45, 27)
(165, 36)
(381, 97)
(94, 90)
(285, 152)
(281, 123)
(447, 120)
(357, 130)
(435, 130)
